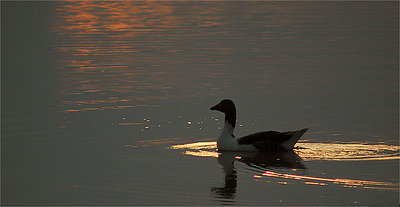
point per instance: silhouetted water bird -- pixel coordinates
(261, 141)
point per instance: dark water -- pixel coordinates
(99, 98)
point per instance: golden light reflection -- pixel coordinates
(100, 108)
(88, 17)
(309, 151)
(309, 180)
(196, 146)
(202, 154)
(129, 48)
(198, 149)
(349, 152)
(312, 151)
(121, 21)
(96, 41)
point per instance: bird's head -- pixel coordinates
(225, 106)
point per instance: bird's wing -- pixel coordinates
(271, 137)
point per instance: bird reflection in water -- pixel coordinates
(228, 191)
(257, 161)
(282, 164)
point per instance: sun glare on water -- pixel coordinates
(311, 151)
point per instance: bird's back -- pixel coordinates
(272, 140)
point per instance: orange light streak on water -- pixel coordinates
(105, 41)
(341, 181)
(91, 33)
(316, 151)
(347, 151)
(312, 151)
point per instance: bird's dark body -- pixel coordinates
(267, 140)
(262, 141)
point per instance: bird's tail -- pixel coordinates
(289, 144)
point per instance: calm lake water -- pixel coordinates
(107, 103)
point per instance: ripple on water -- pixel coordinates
(311, 151)
(308, 152)
(347, 151)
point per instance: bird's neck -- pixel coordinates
(230, 123)
(231, 118)
(227, 131)
(227, 136)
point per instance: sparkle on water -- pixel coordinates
(315, 151)
(311, 151)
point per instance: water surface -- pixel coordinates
(107, 103)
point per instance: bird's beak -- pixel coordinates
(216, 107)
